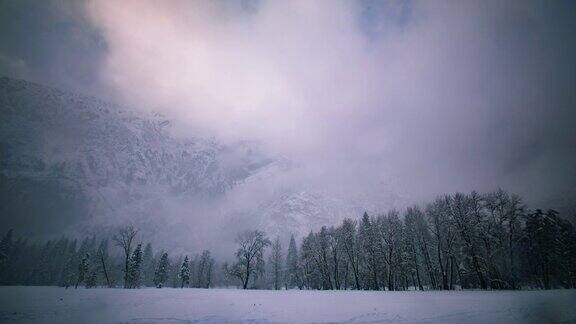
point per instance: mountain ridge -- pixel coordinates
(80, 163)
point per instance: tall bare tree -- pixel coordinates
(391, 238)
(124, 238)
(250, 252)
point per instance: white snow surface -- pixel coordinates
(167, 305)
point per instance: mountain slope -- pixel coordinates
(74, 162)
(60, 149)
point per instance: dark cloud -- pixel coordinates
(50, 42)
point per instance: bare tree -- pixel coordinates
(103, 256)
(443, 236)
(203, 271)
(124, 239)
(391, 239)
(462, 210)
(249, 256)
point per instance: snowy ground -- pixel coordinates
(57, 305)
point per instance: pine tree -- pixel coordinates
(369, 248)
(292, 268)
(40, 274)
(82, 270)
(184, 273)
(67, 274)
(135, 268)
(92, 279)
(161, 274)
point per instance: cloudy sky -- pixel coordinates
(426, 97)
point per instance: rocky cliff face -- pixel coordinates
(50, 133)
(68, 160)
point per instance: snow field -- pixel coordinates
(59, 305)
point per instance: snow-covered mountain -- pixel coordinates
(74, 161)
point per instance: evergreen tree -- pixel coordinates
(135, 268)
(292, 268)
(161, 274)
(369, 252)
(68, 273)
(184, 273)
(40, 274)
(92, 279)
(82, 270)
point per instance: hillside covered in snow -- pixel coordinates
(74, 163)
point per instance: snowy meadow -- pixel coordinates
(149, 305)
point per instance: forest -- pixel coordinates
(458, 241)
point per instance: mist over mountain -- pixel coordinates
(88, 166)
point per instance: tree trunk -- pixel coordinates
(451, 272)
(428, 261)
(105, 272)
(245, 285)
(375, 274)
(511, 255)
(478, 271)
(442, 270)
(417, 268)
(126, 260)
(336, 270)
(390, 278)
(355, 270)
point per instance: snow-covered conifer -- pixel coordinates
(185, 272)
(161, 274)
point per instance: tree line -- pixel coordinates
(459, 241)
(94, 263)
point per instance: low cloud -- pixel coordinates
(426, 97)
